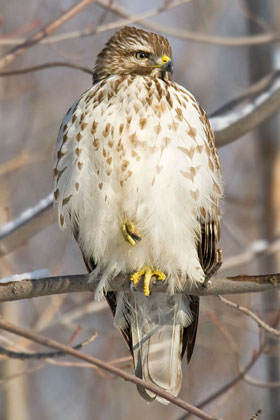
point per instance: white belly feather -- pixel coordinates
(129, 150)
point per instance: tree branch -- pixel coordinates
(246, 112)
(27, 224)
(44, 66)
(255, 356)
(258, 248)
(7, 326)
(246, 311)
(23, 355)
(129, 18)
(29, 288)
(260, 384)
(258, 39)
(44, 32)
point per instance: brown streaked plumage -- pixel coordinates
(117, 57)
(138, 180)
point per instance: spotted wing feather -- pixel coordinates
(70, 159)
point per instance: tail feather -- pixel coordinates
(159, 361)
(156, 328)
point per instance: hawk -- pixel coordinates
(138, 181)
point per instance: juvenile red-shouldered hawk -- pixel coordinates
(138, 180)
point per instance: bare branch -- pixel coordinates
(258, 248)
(258, 39)
(255, 356)
(7, 326)
(29, 288)
(260, 384)
(27, 224)
(247, 111)
(251, 314)
(22, 355)
(72, 315)
(44, 32)
(124, 362)
(233, 345)
(228, 385)
(129, 18)
(43, 67)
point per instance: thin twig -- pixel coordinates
(261, 384)
(29, 288)
(21, 355)
(262, 324)
(242, 41)
(68, 318)
(43, 67)
(258, 248)
(31, 221)
(255, 356)
(7, 326)
(131, 18)
(258, 39)
(84, 365)
(252, 381)
(229, 385)
(44, 32)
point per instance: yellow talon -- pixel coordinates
(130, 233)
(148, 273)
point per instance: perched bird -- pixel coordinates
(138, 180)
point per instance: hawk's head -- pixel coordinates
(134, 51)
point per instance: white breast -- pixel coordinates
(137, 149)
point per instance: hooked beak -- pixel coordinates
(165, 64)
(168, 66)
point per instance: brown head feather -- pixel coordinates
(119, 54)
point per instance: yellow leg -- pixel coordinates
(148, 273)
(130, 233)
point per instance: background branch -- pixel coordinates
(246, 112)
(44, 66)
(27, 224)
(141, 19)
(22, 355)
(216, 394)
(129, 19)
(44, 32)
(258, 39)
(251, 314)
(7, 326)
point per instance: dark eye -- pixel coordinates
(141, 55)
